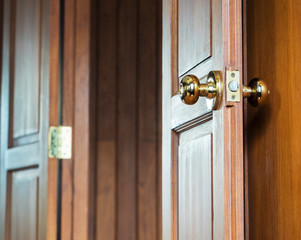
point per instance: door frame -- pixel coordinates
(77, 175)
(233, 123)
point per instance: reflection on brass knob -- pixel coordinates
(257, 92)
(190, 90)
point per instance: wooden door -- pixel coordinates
(273, 133)
(24, 119)
(202, 165)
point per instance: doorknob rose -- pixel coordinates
(257, 92)
(190, 89)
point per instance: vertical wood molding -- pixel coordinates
(159, 118)
(83, 214)
(68, 118)
(167, 229)
(53, 117)
(233, 121)
(77, 216)
(245, 117)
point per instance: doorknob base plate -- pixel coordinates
(214, 78)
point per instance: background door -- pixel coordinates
(24, 119)
(202, 165)
(273, 143)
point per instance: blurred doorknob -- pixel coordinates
(257, 92)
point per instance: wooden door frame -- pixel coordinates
(53, 117)
(77, 187)
(233, 123)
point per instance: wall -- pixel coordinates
(128, 99)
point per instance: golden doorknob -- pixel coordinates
(191, 89)
(257, 92)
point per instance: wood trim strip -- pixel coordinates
(167, 227)
(245, 82)
(233, 122)
(159, 119)
(53, 117)
(77, 200)
(83, 203)
(68, 118)
(174, 46)
(174, 187)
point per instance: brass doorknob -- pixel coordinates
(257, 92)
(191, 89)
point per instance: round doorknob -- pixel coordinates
(257, 92)
(191, 89)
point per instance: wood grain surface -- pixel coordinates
(25, 105)
(274, 131)
(194, 33)
(195, 185)
(128, 124)
(78, 111)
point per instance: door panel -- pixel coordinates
(194, 33)
(22, 212)
(25, 67)
(274, 131)
(195, 185)
(24, 120)
(202, 164)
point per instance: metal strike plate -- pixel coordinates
(60, 142)
(233, 86)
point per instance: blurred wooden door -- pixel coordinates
(24, 119)
(273, 133)
(46, 77)
(202, 165)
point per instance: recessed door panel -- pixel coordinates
(194, 33)
(25, 67)
(22, 204)
(195, 188)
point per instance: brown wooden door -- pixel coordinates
(24, 119)
(202, 165)
(273, 133)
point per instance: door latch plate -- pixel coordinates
(60, 142)
(233, 86)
